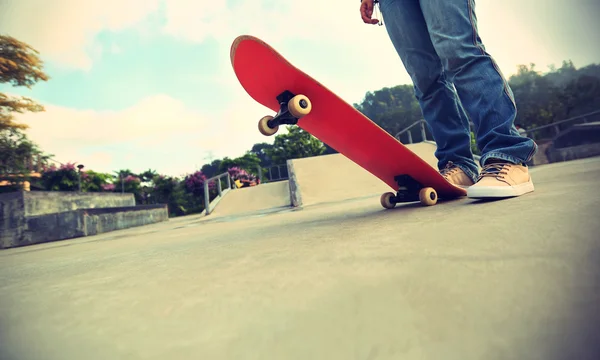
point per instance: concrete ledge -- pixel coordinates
(81, 222)
(50, 202)
(97, 221)
(573, 152)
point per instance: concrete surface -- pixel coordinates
(510, 279)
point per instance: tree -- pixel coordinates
(148, 175)
(392, 108)
(20, 65)
(17, 153)
(249, 162)
(211, 169)
(260, 150)
(296, 144)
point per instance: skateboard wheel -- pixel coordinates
(386, 200)
(264, 128)
(299, 106)
(428, 196)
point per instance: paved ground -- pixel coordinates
(512, 279)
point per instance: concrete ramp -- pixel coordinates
(256, 198)
(332, 178)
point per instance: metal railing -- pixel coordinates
(555, 127)
(550, 131)
(210, 205)
(421, 123)
(274, 173)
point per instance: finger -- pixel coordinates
(366, 13)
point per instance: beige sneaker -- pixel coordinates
(454, 175)
(500, 180)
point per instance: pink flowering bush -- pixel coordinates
(237, 173)
(132, 179)
(66, 178)
(194, 183)
(108, 187)
(63, 178)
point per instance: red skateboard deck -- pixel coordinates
(299, 99)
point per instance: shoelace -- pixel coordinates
(449, 170)
(494, 170)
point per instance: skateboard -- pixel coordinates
(300, 100)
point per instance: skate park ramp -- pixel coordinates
(333, 178)
(254, 199)
(319, 179)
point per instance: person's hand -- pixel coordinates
(366, 12)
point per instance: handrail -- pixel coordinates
(410, 127)
(529, 131)
(563, 121)
(207, 203)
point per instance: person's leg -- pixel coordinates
(485, 95)
(439, 103)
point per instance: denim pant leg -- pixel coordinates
(437, 97)
(483, 90)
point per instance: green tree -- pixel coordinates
(19, 155)
(211, 169)
(296, 144)
(171, 191)
(393, 108)
(249, 162)
(92, 181)
(148, 175)
(63, 178)
(260, 150)
(20, 65)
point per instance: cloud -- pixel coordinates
(154, 116)
(158, 132)
(71, 26)
(64, 30)
(153, 125)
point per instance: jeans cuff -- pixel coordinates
(500, 156)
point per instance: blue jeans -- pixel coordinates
(456, 80)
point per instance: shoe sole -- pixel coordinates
(494, 192)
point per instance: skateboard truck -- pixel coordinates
(409, 190)
(291, 109)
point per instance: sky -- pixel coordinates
(148, 84)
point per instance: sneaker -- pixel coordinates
(500, 180)
(456, 176)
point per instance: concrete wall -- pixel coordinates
(82, 222)
(50, 227)
(574, 152)
(48, 202)
(12, 219)
(97, 221)
(35, 217)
